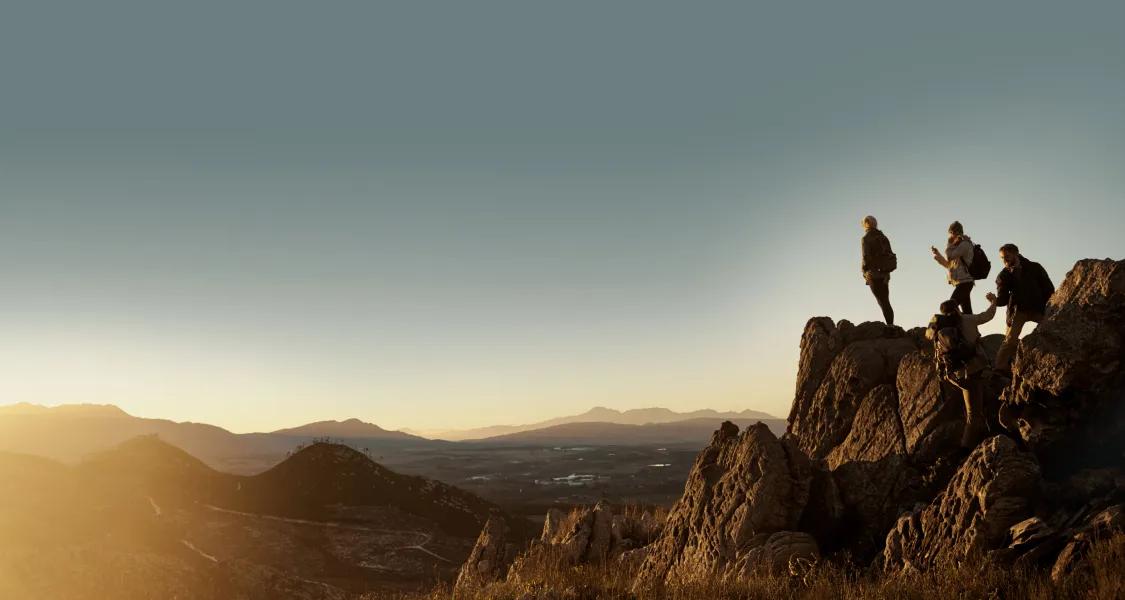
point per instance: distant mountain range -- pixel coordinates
(600, 414)
(687, 432)
(350, 429)
(70, 433)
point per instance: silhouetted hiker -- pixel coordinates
(960, 253)
(877, 263)
(1024, 287)
(960, 360)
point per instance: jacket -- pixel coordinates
(956, 261)
(1024, 289)
(875, 248)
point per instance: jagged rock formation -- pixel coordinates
(871, 463)
(1067, 396)
(585, 537)
(490, 558)
(995, 488)
(840, 364)
(742, 490)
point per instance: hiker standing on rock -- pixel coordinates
(877, 263)
(1024, 287)
(960, 254)
(960, 360)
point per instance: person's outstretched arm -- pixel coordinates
(941, 260)
(983, 317)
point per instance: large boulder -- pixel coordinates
(741, 489)
(872, 472)
(931, 411)
(840, 364)
(1067, 396)
(583, 536)
(995, 488)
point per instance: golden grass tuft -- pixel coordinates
(544, 576)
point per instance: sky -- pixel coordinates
(440, 215)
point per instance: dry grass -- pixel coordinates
(546, 577)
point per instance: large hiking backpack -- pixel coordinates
(951, 350)
(980, 266)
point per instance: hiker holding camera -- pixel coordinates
(965, 262)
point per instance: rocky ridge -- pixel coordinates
(870, 465)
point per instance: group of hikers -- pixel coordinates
(1023, 286)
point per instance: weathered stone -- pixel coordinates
(551, 524)
(1073, 557)
(1067, 396)
(994, 489)
(740, 488)
(932, 412)
(775, 555)
(839, 365)
(872, 471)
(489, 559)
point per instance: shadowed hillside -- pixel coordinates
(148, 518)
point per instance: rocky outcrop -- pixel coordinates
(872, 471)
(840, 364)
(490, 558)
(587, 534)
(995, 488)
(931, 411)
(871, 463)
(1067, 396)
(742, 489)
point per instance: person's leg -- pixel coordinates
(975, 426)
(881, 289)
(961, 293)
(1011, 340)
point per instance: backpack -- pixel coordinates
(980, 266)
(951, 350)
(888, 260)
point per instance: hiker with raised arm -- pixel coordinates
(960, 360)
(964, 263)
(1024, 287)
(877, 262)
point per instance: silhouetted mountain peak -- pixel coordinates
(64, 410)
(151, 459)
(350, 428)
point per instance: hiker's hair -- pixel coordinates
(956, 228)
(869, 221)
(1010, 248)
(948, 308)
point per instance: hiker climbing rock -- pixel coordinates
(1024, 287)
(960, 360)
(964, 262)
(877, 263)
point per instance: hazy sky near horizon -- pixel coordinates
(433, 215)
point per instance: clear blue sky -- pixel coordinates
(435, 215)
